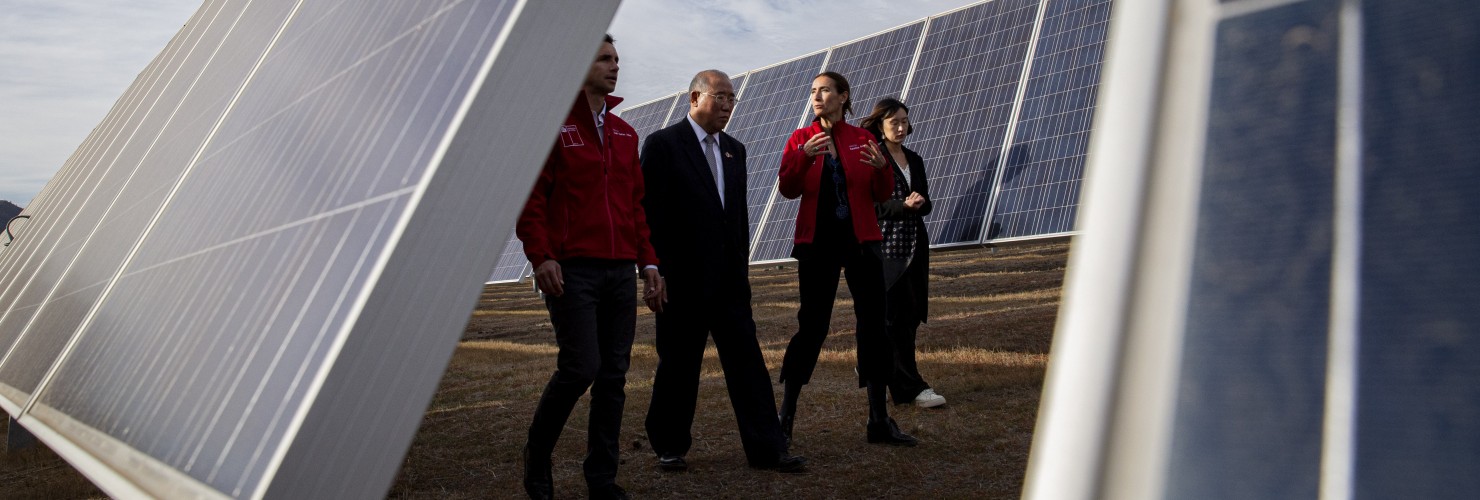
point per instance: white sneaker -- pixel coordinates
(929, 399)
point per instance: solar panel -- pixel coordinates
(1038, 191)
(772, 104)
(876, 67)
(1418, 358)
(650, 116)
(1272, 294)
(963, 74)
(130, 179)
(512, 264)
(274, 320)
(961, 98)
(1253, 369)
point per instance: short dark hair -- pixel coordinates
(885, 108)
(842, 88)
(609, 39)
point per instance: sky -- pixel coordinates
(63, 63)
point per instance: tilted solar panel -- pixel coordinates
(650, 116)
(1273, 294)
(961, 99)
(1037, 192)
(133, 176)
(771, 106)
(876, 68)
(512, 264)
(1418, 357)
(964, 74)
(273, 321)
(1253, 368)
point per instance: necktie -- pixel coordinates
(714, 167)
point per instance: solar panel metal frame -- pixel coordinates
(423, 280)
(1107, 416)
(765, 212)
(758, 239)
(1010, 137)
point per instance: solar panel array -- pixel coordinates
(1001, 82)
(236, 286)
(1274, 293)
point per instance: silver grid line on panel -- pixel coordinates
(200, 150)
(909, 74)
(760, 227)
(133, 127)
(1010, 135)
(1338, 440)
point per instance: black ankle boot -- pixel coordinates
(786, 422)
(538, 482)
(881, 428)
(788, 413)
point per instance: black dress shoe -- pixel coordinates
(608, 492)
(672, 463)
(537, 481)
(789, 464)
(887, 432)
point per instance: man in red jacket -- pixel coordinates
(583, 229)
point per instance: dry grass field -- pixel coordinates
(985, 348)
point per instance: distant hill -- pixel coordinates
(8, 210)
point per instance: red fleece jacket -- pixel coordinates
(588, 199)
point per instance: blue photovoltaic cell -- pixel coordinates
(960, 99)
(770, 108)
(1251, 390)
(648, 117)
(512, 264)
(875, 68)
(236, 295)
(1418, 423)
(1039, 189)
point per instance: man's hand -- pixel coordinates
(654, 291)
(914, 201)
(549, 278)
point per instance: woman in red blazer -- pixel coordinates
(837, 170)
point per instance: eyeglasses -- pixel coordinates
(724, 98)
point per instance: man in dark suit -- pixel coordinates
(695, 204)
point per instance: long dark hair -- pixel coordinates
(842, 88)
(885, 108)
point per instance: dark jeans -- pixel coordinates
(817, 279)
(594, 322)
(903, 322)
(683, 329)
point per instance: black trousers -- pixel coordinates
(594, 322)
(683, 329)
(817, 278)
(903, 323)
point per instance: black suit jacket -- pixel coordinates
(703, 248)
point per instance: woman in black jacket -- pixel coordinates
(906, 250)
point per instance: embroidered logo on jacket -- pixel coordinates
(570, 137)
(621, 133)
